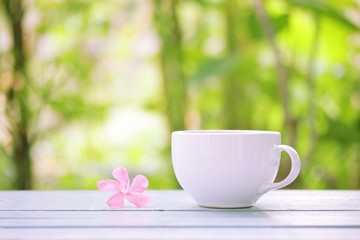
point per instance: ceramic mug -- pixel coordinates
(229, 168)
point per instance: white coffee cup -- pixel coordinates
(229, 168)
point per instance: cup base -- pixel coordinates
(222, 207)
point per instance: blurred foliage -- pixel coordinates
(93, 85)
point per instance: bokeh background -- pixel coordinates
(86, 86)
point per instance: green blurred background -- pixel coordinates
(89, 85)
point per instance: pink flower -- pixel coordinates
(123, 189)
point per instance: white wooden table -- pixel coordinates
(282, 214)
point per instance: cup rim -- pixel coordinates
(226, 132)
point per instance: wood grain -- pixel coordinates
(180, 219)
(181, 233)
(305, 200)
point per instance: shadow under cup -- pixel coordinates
(229, 168)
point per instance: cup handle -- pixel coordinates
(294, 172)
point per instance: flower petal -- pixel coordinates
(116, 201)
(138, 199)
(121, 174)
(139, 184)
(108, 185)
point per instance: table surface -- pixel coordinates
(281, 214)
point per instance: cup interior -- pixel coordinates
(237, 132)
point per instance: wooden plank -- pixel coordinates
(280, 200)
(181, 233)
(180, 219)
(283, 214)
